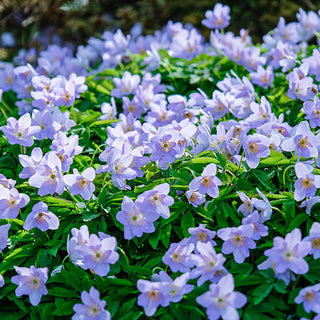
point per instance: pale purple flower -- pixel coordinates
(237, 240)
(31, 281)
(79, 237)
(41, 218)
(207, 182)
(201, 234)
(11, 201)
(263, 205)
(312, 110)
(262, 77)
(259, 229)
(109, 111)
(209, 264)
(81, 183)
(288, 253)
(48, 177)
(30, 162)
(92, 308)
(20, 131)
(309, 203)
(126, 85)
(261, 113)
(44, 120)
(1, 281)
(255, 146)
(98, 254)
(178, 286)
(158, 200)
(136, 218)
(247, 206)
(195, 198)
(179, 256)
(307, 183)
(4, 229)
(7, 183)
(152, 295)
(222, 301)
(314, 239)
(218, 105)
(218, 18)
(310, 296)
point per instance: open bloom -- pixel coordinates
(207, 182)
(288, 253)
(218, 18)
(31, 281)
(221, 300)
(92, 308)
(152, 295)
(41, 218)
(307, 183)
(310, 297)
(81, 183)
(4, 229)
(314, 239)
(20, 131)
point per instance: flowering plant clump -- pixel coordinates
(162, 176)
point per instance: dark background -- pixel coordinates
(38, 22)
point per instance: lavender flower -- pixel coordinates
(136, 218)
(30, 162)
(207, 182)
(92, 308)
(81, 183)
(222, 301)
(201, 234)
(288, 253)
(302, 141)
(179, 257)
(41, 218)
(20, 131)
(158, 199)
(237, 240)
(218, 18)
(1, 281)
(152, 295)
(4, 229)
(178, 286)
(314, 239)
(11, 201)
(259, 229)
(255, 147)
(31, 281)
(312, 110)
(247, 206)
(209, 264)
(98, 254)
(307, 183)
(195, 198)
(310, 296)
(125, 86)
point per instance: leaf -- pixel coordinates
(261, 292)
(187, 221)
(273, 159)
(64, 308)
(154, 239)
(297, 221)
(62, 292)
(165, 235)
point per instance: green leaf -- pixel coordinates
(165, 235)
(187, 221)
(154, 238)
(273, 159)
(64, 308)
(261, 292)
(62, 292)
(297, 221)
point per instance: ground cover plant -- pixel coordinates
(163, 177)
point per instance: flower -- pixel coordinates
(195, 198)
(81, 183)
(152, 295)
(307, 183)
(31, 281)
(179, 257)
(209, 264)
(41, 218)
(201, 234)
(4, 229)
(92, 307)
(310, 296)
(207, 182)
(218, 18)
(221, 300)
(136, 218)
(1, 281)
(259, 229)
(314, 239)
(98, 254)
(288, 253)
(20, 131)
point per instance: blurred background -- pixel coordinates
(37, 23)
